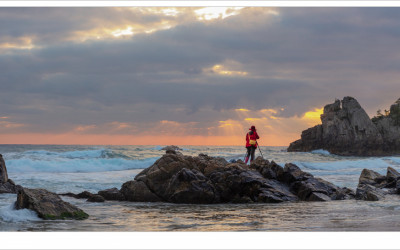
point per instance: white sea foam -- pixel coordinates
(321, 151)
(76, 165)
(349, 166)
(9, 214)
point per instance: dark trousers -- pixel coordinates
(250, 152)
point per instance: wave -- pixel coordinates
(77, 165)
(79, 154)
(321, 152)
(352, 166)
(9, 214)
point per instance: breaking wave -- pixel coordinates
(9, 214)
(99, 160)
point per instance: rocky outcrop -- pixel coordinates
(346, 129)
(373, 186)
(203, 179)
(86, 195)
(6, 185)
(171, 147)
(112, 194)
(48, 205)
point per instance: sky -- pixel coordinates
(188, 76)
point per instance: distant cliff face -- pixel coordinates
(346, 129)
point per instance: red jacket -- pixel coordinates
(254, 136)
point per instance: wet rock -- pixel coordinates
(292, 173)
(269, 170)
(96, 198)
(369, 193)
(191, 186)
(203, 179)
(345, 194)
(69, 194)
(346, 129)
(371, 177)
(3, 170)
(316, 196)
(392, 175)
(48, 205)
(6, 185)
(112, 194)
(138, 191)
(84, 195)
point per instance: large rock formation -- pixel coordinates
(203, 179)
(6, 185)
(346, 129)
(47, 205)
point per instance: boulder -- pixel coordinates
(96, 198)
(191, 186)
(3, 170)
(138, 191)
(48, 205)
(371, 178)
(6, 185)
(112, 194)
(369, 193)
(346, 129)
(84, 195)
(392, 175)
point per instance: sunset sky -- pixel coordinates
(188, 76)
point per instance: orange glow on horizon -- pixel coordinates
(96, 139)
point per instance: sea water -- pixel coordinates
(67, 168)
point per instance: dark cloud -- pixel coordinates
(300, 59)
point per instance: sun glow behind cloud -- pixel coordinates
(210, 13)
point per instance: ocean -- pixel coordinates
(71, 168)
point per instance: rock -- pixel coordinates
(191, 186)
(112, 194)
(84, 195)
(369, 193)
(371, 177)
(138, 191)
(96, 198)
(3, 170)
(267, 169)
(6, 185)
(171, 147)
(316, 196)
(346, 129)
(292, 173)
(48, 205)
(345, 194)
(69, 194)
(203, 179)
(397, 187)
(9, 187)
(311, 189)
(392, 175)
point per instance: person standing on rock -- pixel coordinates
(251, 143)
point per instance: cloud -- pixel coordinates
(125, 70)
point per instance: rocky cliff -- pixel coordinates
(346, 129)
